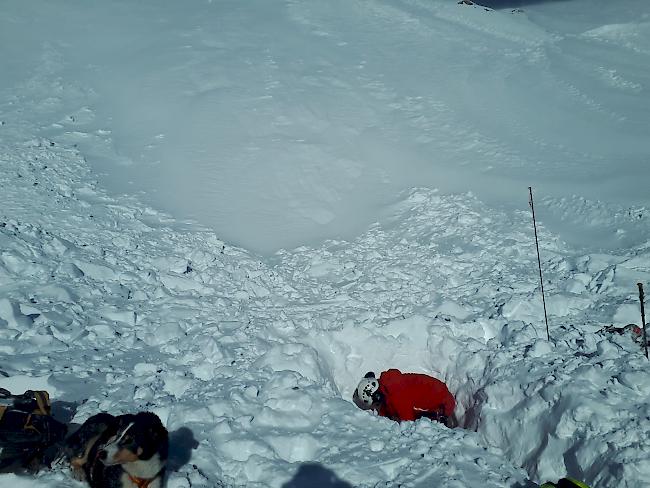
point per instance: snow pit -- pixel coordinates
(331, 121)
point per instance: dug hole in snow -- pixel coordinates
(258, 362)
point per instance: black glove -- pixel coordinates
(436, 417)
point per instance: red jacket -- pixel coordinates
(409, 396)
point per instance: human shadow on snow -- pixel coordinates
(314, 475)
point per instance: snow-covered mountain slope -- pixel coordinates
(250, 361)
(271, 120)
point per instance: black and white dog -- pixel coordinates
(127, 451)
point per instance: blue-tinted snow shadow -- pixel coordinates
(314, 475)
(525, 484)
(181, 444)
(64, 412)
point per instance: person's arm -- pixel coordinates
(402, 410)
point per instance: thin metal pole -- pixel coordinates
(539, 261)
(645, 338)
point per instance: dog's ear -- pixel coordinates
(156, 434)
(121, 421)
(369, 374)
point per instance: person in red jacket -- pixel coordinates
(406, 396)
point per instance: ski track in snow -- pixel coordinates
(111, 305)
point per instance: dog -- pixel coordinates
(125, 451)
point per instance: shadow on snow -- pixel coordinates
(313, 475)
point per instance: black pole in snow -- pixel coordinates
(539, 261)
(645, 338)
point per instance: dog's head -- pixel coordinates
(137, 438)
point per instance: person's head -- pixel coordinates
(367, 395)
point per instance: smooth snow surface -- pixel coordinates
(280, 124)
(359, 173)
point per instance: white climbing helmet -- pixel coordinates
(363, 395)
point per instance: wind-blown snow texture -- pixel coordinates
(113, 305)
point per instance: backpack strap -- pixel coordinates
(43, 401)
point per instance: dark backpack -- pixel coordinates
(27, 427)
(565, 483)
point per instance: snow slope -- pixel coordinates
(269, 121)
(250, 361)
